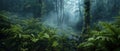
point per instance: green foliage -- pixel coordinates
(105, 37)
(31, 35)
(4, 22)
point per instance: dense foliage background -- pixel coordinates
(22, 28)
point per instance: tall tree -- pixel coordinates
(86, 17)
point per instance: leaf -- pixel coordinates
(91, 39)
(55, 43)
(46, 35)
(88, 45)
(85, 44)
(34, 39)
(101, 38)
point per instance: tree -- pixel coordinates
(86, 17)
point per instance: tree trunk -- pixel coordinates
(86, 17)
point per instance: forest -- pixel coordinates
(59, 25)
